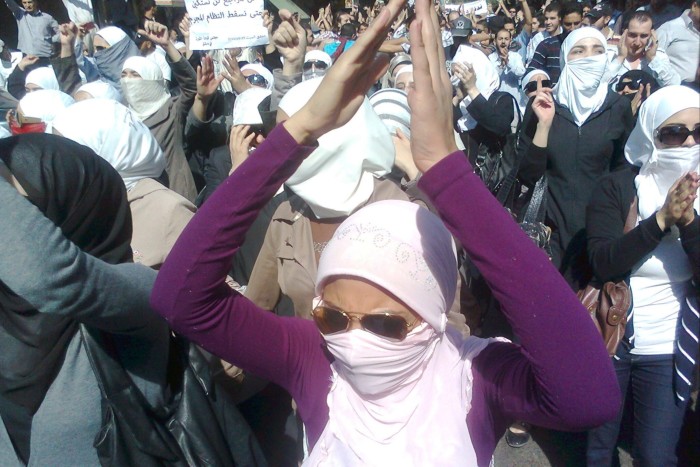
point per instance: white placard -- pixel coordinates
(478, 7)
(222, 24)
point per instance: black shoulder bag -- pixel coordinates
(198, 426)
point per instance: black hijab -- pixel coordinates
(84, 196)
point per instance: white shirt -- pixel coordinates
(681, 41)
(659, 283)
(660, 68)
(7, 67)
(510, 75)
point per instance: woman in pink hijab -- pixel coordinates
(379, 376)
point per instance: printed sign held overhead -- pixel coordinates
(221, 24)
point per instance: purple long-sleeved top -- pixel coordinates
(561, 376)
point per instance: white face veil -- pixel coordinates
(338, 177)
(582, 86)
(145, 95)
(383, 392)
(115, 134)
(660, 168)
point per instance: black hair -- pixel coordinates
(571, 8)
(348, 30)
(147, 5)
(640, 17)
(554, 7)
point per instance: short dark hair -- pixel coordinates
(348, 30)
(640, 17)
(147, 5)
(570, 8)
(540, 18)
(554, 7)
(508, 21)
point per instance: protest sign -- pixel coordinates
(221, 24)
(478, 7)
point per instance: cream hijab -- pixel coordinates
(398, 403)
(581, 87)
(145, 95)
(44, 77)
(338, 177)
(660, 168)
(114, 133)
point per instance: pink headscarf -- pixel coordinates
(398, 403)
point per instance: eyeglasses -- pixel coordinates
(632, 84)
(532, 86)
(388, 325)
(257, 80)
(318, 64)
(675, 135)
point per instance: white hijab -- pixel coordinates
(101, 90)
(115, 134)
(487, 81)
(262, 71)
(145, 95)
(45, 104)
(406, 402)
(660, 168)
(338, 177)
(44, 77)
(581, 87)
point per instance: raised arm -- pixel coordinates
(17, 11)
(190, 291)
(68, 281)
(562, 376)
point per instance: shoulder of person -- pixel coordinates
(167, 199)
(618, 184)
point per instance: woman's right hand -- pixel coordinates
(343, 88)
(678, 207)
(239, 145)
(543, 106)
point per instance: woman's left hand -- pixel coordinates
(692, 180)
(343, 88)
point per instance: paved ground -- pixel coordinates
(567, 450)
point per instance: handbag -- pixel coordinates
(197, 426)
(493, 165)
(609, 303)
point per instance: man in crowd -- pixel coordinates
(36, 31)
(680, 39)
(546, 56)
(638, 49)
(599, 17)
(552, 27)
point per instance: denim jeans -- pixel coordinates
(657, 417)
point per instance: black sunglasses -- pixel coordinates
(532, 85)
(318, 64)
(389, 325)
(257, 80)
(632, 84)
(675, 135)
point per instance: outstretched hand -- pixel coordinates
(430, 98)
(290, 38)
(678, 207)
(207, 81)
(156, 33)
(343, 88)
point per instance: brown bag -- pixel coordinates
(608, 304)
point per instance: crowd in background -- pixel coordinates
(237, 174)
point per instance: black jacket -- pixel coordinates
(574, 161)
(613, 254)
(494, 117)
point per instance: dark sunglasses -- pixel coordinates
(318, 64)
(257, 80)
(633, 84)
(532, 85)
(675, 135)
(389, 325)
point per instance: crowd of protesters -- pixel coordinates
(359, 244)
